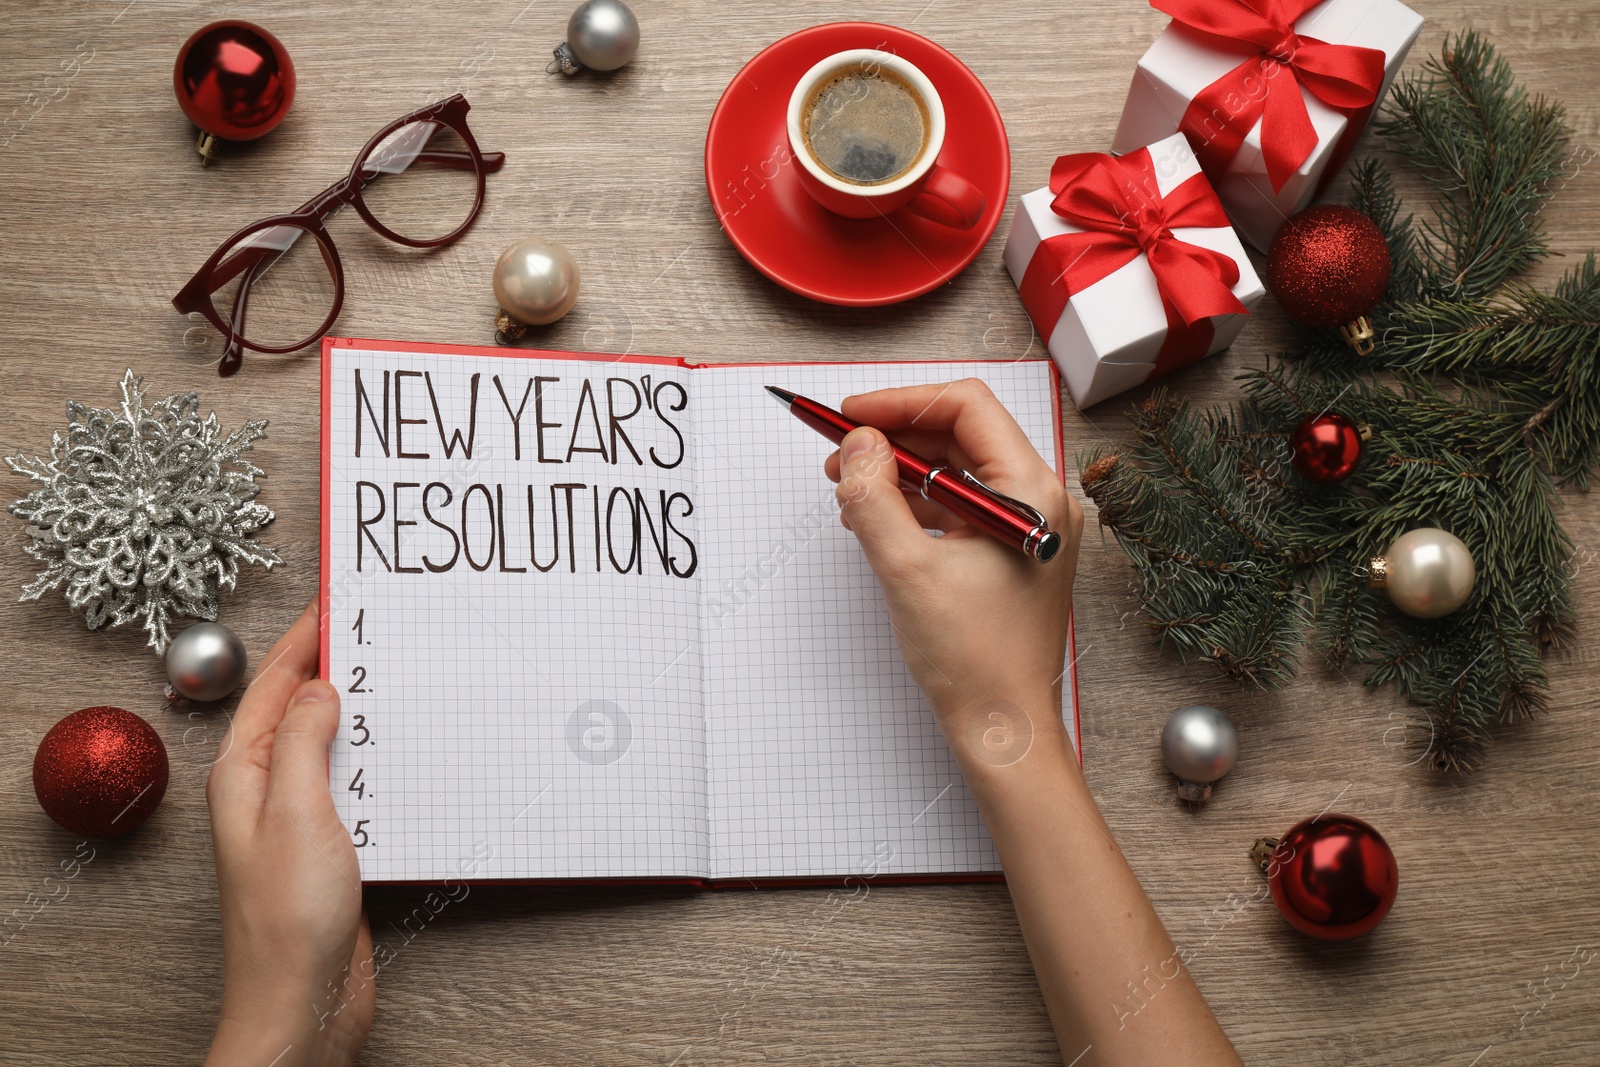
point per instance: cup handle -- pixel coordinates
(949, 199)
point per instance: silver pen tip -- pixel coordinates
(783, 396)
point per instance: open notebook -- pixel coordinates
(602, 622)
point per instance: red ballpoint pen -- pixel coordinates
(960, 492)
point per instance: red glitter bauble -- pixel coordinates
(1333, 877)
(1325, 448)
(1328, 266)
(234, 80)
(100, 772)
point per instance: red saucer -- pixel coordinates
(789, 237)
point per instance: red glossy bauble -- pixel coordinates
(234, 80)
(100, 772)
(1325, 448)
(1329, 265)
(1333, 877)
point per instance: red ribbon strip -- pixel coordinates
(1119, 208)
(1345, 77)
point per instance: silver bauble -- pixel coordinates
(1428, 573)
(601, 35)
(536, 282)
(1199, 745)
(206, 662)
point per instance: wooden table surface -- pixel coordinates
(1488, 958)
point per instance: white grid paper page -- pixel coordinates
(823, 757)
(525, 725)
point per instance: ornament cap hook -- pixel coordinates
(509, 328)
(565, 61)
(1263, 851)
(1359, 335)
(1378, 572)
(206, 145)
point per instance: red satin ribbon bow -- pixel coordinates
(1119, 208)
(1345, 77)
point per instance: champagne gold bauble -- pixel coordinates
(1427, 573)
(536, 282)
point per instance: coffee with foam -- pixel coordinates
(865, 125)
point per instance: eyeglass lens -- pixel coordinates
(420, 182)
(289, 288)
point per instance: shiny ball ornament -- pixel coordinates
(206, 662)
(601, 35)
(100, 772)
(235, 81)
(1332, 877)
(1326, 448)
(1199, 744)
(1427, 573)
(536, 282)
(1329, 267)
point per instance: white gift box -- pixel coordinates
(1180, 64)
(1107, 336)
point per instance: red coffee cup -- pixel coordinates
(925, 189)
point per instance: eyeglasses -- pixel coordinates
(291, 293)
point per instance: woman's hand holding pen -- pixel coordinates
(984, 630)
(982, 627)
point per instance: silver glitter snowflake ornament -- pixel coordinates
(143, 514)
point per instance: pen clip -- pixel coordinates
(1019, 508)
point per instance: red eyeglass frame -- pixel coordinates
(222, 268)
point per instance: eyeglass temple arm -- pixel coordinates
(492, 161)
(233, 352)
(238, 263)
(463, 160)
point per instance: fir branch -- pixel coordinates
(1373, 194)
(1490, 151)
(1348, 623)
(1174, 443)
(1227, 595)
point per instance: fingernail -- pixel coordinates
(855, 443)
(314, 691)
